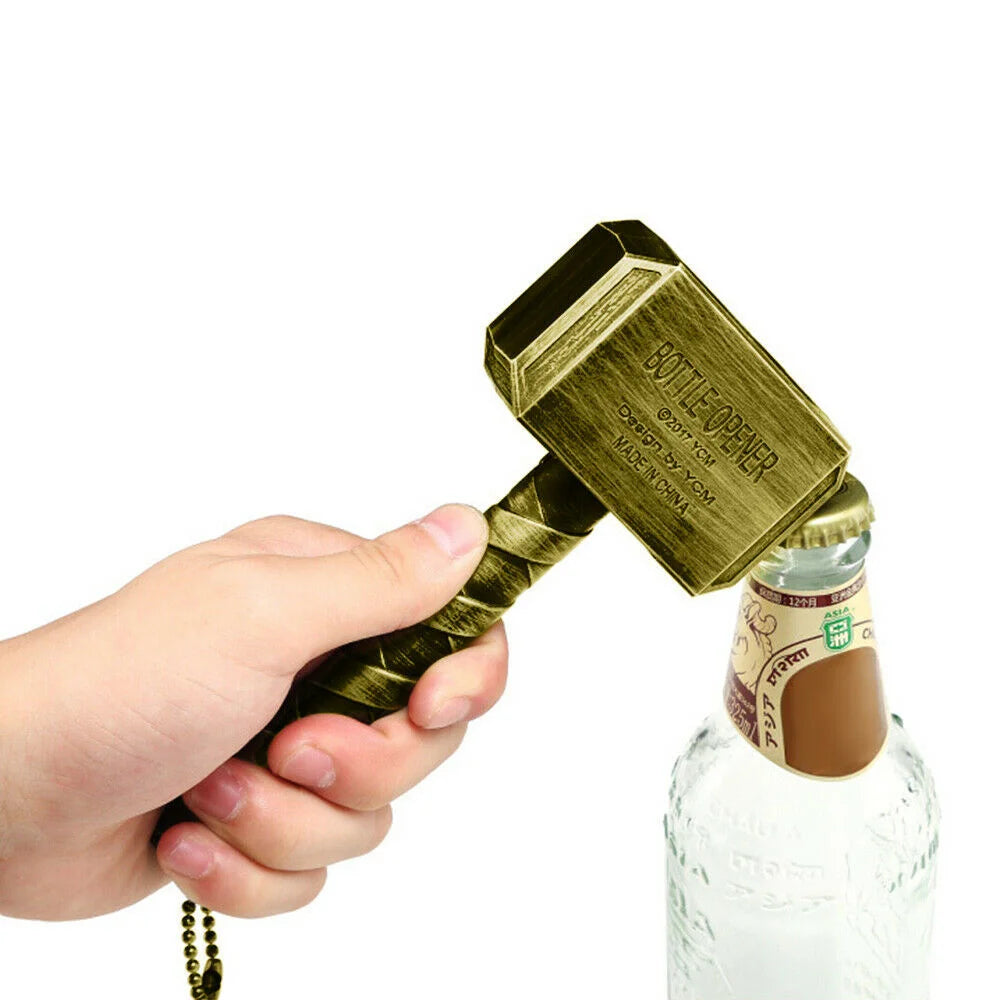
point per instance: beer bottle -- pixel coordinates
(802, 823)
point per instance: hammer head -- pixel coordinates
(626, 367)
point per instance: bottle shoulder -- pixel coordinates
(717, 760)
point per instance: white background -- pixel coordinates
(247, 255)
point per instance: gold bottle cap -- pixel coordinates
(845, 515)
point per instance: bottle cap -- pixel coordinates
(845, 515)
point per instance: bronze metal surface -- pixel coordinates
(624, 365)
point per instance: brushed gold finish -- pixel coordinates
(624, 365)
(205, 984)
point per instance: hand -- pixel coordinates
(114, 710)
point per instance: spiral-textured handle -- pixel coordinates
(540, 520)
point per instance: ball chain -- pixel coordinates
(204, 985)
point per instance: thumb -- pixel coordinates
(377, 586)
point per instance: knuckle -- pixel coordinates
(494, 661)
(282, 849)
(278, 852)
(370, 828)
(381, 824)
(383, 560)
(314, 880)
(272, 893)
(497, 678)
(262, 533)
(387, 565)
(225, 577)
(230, 583)
(457, 733)
(267, 523)
(383, 781)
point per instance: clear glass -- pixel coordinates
(784, 887)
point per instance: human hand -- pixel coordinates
(112, 711)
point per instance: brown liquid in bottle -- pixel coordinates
(833, 714)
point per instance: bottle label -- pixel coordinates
(803, 685)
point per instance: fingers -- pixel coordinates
(375, 586)
(464, 685)
(345, 765)
(280, 825)
(216, 875)
(366, 767)
(358, 766)
(265, 841)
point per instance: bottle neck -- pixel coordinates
(803, 684)
(814, 569)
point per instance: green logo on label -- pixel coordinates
(838, 632)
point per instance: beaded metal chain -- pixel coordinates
(204, 985)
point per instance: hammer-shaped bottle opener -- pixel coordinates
(653, 402)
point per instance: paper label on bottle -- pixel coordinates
(785, 693)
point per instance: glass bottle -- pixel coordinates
(802, 824)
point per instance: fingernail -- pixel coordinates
(190, 859)
(220, 795)
(308, 766)
(456, 529)
(449, 712)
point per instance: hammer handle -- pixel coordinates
(544, 516)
